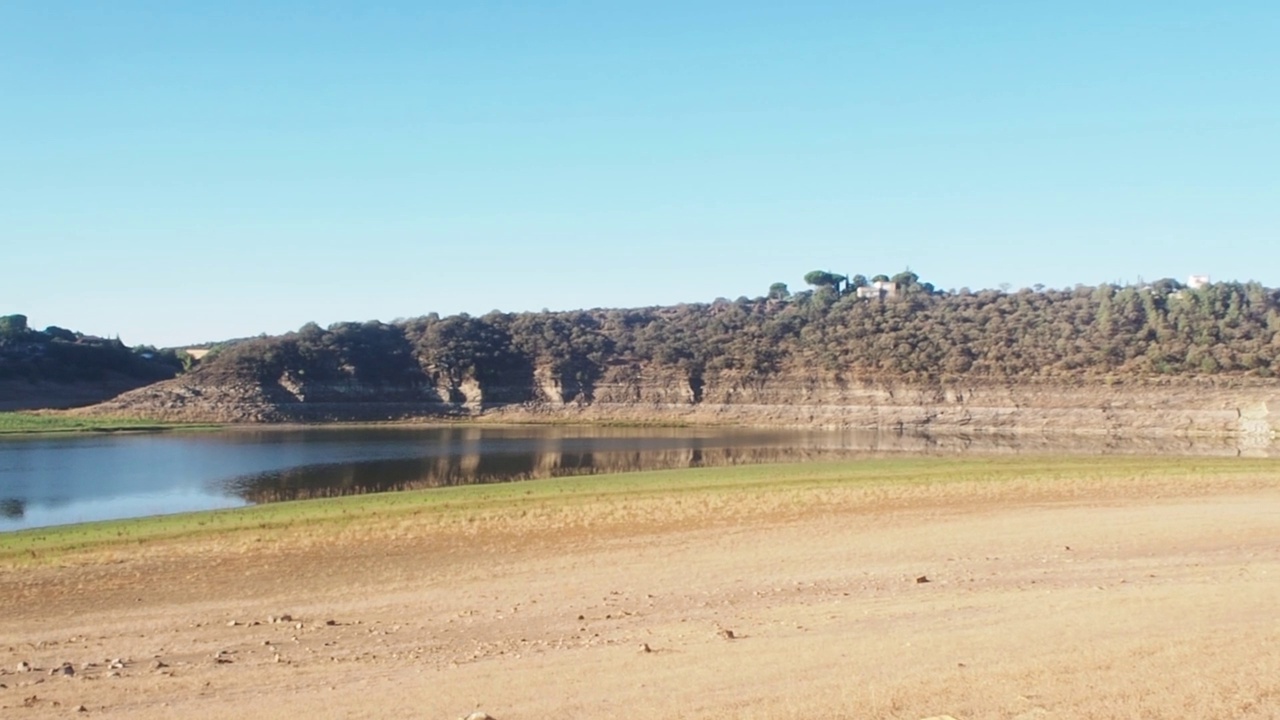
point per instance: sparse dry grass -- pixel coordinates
(1060, 588)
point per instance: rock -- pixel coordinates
(330, 623)
(116, 664)
(67, 670)
(921, 580)
(644, 647)
(232, 623)
(159, 665)
(477, 715)
(727, 634)
(24, 666)
(81, 708)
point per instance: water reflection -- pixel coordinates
(51, 481)
(411, 474)
(487, 455)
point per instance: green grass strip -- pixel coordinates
(17, 423)
(461, 504)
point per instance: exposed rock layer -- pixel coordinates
(661, 394)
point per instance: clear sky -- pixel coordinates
(179, 172)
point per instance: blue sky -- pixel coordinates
(179, 172)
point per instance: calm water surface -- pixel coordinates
(47, 480)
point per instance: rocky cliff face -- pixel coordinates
(633, 392)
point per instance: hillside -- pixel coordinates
(849, 354)
(57, 368)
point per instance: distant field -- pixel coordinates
(28, 422)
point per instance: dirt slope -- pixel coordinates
(1146, 601)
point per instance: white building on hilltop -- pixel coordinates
(878, 290)
(1195, 282)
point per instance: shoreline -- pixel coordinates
(1040, 473)
(901, 588)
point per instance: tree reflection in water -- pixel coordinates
(334, 480)
(13, 508)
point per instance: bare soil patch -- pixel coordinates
(977, 601)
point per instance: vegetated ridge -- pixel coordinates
(56, 367)
(852, 352)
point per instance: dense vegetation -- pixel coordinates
(884, 326)
(59, 355)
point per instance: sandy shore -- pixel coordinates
(1139, 602)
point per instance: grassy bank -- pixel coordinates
(635, 501)
(12, 423)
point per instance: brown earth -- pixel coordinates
(1137, 599)
(24, 395)
(638, 393)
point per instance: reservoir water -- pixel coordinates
(53, 480)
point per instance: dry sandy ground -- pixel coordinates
(1119, 606)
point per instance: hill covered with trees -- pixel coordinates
(842, 332)
(914, 331)
(56, 367)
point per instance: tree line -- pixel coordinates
(56, 354)
(917, 333)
